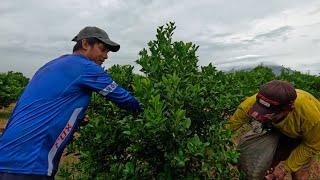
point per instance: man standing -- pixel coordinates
(54, 101)
(294, 112)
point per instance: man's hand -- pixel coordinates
(278, 173)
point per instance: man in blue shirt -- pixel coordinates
(54, 101)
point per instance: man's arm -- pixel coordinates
(122, 98)
(240, 116)
(309, 121)
(302, 154)
(100, 81)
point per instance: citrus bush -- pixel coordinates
(179, 134)
(11, 86)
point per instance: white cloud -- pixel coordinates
(248, 56)
(282, 32)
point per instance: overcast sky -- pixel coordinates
(230, 33)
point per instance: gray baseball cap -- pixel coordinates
(91, 31)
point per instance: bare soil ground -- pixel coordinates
(4, 115)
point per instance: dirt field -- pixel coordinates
(4, 115)
(3, 123)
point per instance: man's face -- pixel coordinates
(280, 116)
(277, 117)
(97, 53)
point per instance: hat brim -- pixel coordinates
(258, 111)
(75, 39)
(111, 45)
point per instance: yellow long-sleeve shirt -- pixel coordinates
(303, 122)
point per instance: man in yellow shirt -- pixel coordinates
(295, 113)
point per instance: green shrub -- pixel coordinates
(11, 86)
(180, 133)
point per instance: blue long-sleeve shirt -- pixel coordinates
(48, 110)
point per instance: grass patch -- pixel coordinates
(68, 167)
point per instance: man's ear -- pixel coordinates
(290, 107)
(85, 44)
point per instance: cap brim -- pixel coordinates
(112, 46)
(75, 39)
(257, 111)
